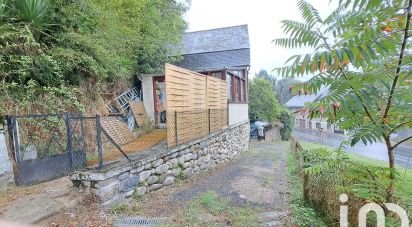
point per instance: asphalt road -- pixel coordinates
(403, 154)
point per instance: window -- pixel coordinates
(328, 126)
(237, 86)
(318, 125)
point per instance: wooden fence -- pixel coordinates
(196, 104)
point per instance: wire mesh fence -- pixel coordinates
(103, 138)
(185, 126)
(48, 146)
(40, 136)
(43, 146)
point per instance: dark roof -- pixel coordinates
(219, 39)
(216, 48)
(216, 60)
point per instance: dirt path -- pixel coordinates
(256, 179)
(255, 183)
(35, 203)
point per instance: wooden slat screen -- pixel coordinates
(139, 112)
(189, 96)
(217, 103)
(117, 130)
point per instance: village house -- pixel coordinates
(297, 105)
(222, 53)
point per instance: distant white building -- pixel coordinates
(297, 105)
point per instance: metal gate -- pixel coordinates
(45, 147)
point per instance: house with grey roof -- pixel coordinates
(297, 102)
(223, 53)
(302, 122)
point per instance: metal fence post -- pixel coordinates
(9, 122)
(16, 141)
(176, 128)
(99, 141)
(81, 119)
(69, 139)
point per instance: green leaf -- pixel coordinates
(349, 53)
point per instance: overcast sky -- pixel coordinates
(263, 18)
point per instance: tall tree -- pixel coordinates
(50, 48)
(265, 75)
(283, 86)
(360, 52)
(262, 101)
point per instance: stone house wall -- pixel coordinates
(162, 169)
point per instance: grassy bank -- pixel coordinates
(404, 184)
(319, 175)
(302, 213)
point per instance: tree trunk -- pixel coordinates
(392, 175)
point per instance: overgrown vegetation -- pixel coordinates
(280, 87)
(265, 97)
(360, 53)
(403, 184)
(302, 214)
(288, 122)
(52, 51)
(284, 89)
(326, 173)
(263, 105)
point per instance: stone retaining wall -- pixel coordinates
(143, 176)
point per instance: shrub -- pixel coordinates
(288, 122)
(263, 105)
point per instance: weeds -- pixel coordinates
(191, 216)
(268, 180)
(118, 208)
(302, 215)
(212, 203)
(245, 216)
(211, 210)
(137, 197)
(180, 165)
(181, 175)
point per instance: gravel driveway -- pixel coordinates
(256, 178)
